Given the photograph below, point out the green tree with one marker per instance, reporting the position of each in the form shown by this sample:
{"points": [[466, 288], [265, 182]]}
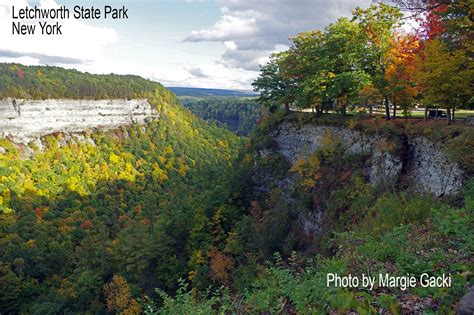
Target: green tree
{"points": [[274, 89], [378, 24]]}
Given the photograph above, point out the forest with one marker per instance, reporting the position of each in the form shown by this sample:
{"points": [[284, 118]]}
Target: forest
{"points": [[73, 212], [238, 114], [47, 82], [182, 216]]}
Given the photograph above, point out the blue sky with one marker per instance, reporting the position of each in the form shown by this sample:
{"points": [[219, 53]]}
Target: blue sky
{"points": [[199, 43]]}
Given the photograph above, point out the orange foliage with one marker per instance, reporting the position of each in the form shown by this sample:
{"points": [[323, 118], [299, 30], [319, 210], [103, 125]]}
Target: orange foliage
{"points": [[221, 266], [399, 74], [145, 222], [87, 225], [39, 213]]}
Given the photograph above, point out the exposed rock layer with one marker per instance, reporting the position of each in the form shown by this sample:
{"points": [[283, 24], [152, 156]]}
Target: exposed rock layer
{"points": [[26, 120], [426, 165]]}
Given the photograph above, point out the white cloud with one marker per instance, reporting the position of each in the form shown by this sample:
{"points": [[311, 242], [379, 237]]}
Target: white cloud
{"points": [[79, 44], [212, 75], [251, 30]]}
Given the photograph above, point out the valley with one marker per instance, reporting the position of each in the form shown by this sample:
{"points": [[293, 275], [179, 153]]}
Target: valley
{"points": [[172, 200], [342, 184]]}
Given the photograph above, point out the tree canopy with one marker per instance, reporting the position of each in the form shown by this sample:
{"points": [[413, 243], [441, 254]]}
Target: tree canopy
{"points": [[337, 67]]}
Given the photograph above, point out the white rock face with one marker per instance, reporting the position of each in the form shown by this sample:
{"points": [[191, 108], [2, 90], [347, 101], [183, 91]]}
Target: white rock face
{"points": [[294, 140], [432, 170], [26, 120], [429, 168]]}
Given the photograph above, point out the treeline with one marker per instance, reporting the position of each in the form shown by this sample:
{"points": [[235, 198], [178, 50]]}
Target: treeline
{"points": [[238, 114], [369, 60], [44, 82]]}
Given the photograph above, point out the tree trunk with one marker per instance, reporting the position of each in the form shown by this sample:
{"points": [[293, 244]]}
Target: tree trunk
{"points": [[287, 108], [394, 110], [449, 116], [387, 108], [426, 112], [452, 116]]}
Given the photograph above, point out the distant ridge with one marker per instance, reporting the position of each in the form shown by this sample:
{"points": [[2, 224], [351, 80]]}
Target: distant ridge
{"points": [[184, 91]]}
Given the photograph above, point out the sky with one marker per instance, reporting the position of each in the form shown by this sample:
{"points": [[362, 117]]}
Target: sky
{"points": [[189, 43]]}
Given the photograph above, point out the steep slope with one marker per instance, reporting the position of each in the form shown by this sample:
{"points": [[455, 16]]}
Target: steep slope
{"points": [[347, 196], [101, 213]]}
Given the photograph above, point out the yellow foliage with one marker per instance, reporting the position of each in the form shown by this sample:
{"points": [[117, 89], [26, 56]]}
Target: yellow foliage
{"points": [[119, 298], [159, 174], [114, 159], [308, 168], [330, 144], [30, 243]]}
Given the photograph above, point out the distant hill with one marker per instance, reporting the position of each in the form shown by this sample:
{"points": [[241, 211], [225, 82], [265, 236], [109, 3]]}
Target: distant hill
{"points": [[184, 91]]}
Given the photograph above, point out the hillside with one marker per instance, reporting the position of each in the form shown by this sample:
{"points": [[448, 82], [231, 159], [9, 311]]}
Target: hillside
{"points": [[84, 211], [347, 196], [238, 114], [46, 82]]}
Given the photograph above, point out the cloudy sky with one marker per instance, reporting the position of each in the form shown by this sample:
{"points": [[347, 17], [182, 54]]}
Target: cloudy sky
{"points": [[197, 43]]}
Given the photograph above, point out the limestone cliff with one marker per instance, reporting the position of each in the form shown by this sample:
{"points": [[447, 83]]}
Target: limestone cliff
{"points": [[23, 121], [423, 163]]}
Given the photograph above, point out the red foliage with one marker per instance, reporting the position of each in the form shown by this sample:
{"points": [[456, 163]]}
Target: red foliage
{"points": [[87, 225], [39, 212], [138, 210], [21, 74], [431, 24]]}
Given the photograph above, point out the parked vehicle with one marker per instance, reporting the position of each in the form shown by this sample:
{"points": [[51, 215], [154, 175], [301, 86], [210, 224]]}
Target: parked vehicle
{"points": [[436, 113]]}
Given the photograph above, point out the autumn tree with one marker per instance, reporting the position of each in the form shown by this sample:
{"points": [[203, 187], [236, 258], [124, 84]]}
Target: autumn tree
{"points": [[444, 77], [119, 298], [369, 97], [401, 87], [378, 24]]}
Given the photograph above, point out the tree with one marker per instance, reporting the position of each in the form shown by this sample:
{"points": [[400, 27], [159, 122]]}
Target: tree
{"points": [[305, 65], [444, 78], [399, 75], [378, 24], [274, 89], [326, 66], [369, 97], [119, 298], [345, 52]]}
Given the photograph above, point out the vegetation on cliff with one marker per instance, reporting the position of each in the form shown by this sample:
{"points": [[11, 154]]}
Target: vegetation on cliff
{"points": [[173, 218], [300, 221]]}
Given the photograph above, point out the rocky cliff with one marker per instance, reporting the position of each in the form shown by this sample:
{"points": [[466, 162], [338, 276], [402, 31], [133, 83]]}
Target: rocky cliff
{"points": [[424, 165], [23, 121]]}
